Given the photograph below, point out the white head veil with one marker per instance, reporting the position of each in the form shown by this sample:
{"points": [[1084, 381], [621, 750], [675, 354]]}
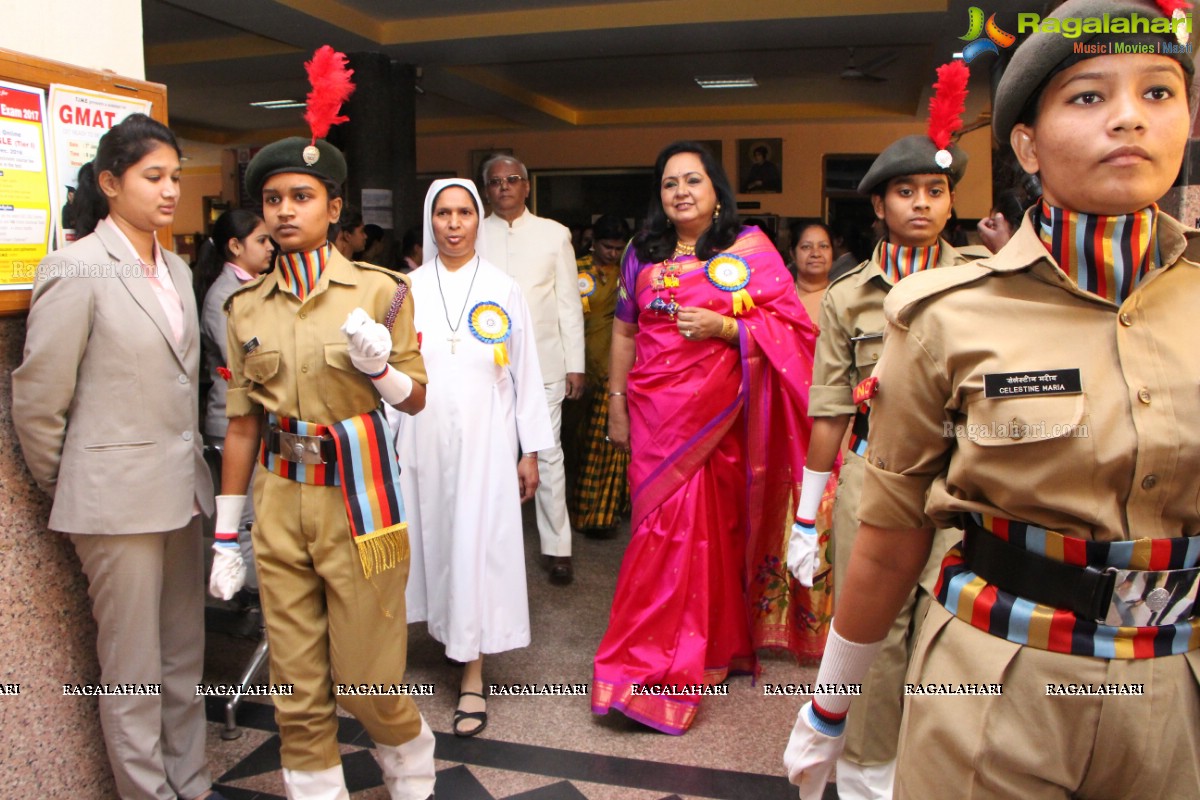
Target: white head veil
{"points": [[429, 245]]}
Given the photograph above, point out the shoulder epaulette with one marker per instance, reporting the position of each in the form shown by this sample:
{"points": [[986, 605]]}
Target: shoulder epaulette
{"points": [[396, 276], [904, 298], [852, 271], [245, 287], [973, 252]]}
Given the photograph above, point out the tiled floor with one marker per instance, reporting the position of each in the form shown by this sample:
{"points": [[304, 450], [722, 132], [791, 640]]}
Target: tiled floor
{"points": [[537, 748]]}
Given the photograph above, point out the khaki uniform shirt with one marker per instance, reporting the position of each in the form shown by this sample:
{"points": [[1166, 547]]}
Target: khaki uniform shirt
{"points": [[300, 366], [1118, 460], [851, 332]]}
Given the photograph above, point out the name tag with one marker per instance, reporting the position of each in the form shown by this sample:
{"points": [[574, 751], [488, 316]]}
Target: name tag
{"points": [[250, 346], [1025, 384]]}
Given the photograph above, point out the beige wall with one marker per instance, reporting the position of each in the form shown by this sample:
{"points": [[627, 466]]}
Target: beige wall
{"points": [[804, 146], [196, 184], [86, 33]]}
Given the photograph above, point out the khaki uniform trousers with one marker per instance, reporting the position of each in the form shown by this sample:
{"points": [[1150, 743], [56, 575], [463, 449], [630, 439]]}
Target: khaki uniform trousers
{"points": [[873, 724], [147, 592], [326, 623], [1027, 744]]}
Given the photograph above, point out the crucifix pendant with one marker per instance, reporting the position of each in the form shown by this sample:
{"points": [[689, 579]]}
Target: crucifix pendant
{"points": [[453, 340]]}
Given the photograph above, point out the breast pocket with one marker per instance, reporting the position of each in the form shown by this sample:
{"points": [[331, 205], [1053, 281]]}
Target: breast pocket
{"points": [[1009, 421], [342, 385], [261, 367], [867, 352]]}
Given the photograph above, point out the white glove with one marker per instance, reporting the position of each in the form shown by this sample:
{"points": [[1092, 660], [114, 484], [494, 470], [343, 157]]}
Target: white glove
{"points": [[370, 344], [812, 752], [228, 569], [804, 546], [393, 385]]}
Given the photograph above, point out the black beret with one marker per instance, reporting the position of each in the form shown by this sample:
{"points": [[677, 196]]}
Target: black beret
{"points": [[912, 155], [1040, 55], [287, 155]]}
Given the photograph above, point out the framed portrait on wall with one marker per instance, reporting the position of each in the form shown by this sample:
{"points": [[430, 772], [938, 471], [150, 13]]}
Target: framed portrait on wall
{"points": [[760, 166]]}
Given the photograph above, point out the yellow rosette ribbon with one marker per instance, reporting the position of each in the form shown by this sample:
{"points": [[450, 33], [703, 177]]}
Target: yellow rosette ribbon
{"points": [[587, 287], [490, 324], [731, 273]]}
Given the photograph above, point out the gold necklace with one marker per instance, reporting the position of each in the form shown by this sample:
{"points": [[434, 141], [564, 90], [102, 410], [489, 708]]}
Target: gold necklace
{"points": [[682, 249]]}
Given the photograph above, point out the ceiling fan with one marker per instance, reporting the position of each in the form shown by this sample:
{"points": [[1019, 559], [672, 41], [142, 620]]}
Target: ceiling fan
{"points": [[853, 72]]}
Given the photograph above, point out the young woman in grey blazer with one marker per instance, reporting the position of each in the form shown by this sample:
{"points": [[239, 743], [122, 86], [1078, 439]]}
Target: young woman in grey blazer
{"points": [[104, 404]]}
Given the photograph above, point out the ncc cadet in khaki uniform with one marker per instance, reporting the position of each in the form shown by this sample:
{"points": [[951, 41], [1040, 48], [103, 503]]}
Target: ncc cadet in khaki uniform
{"points": [[913, 195], [310, 361], [1046, 400]]}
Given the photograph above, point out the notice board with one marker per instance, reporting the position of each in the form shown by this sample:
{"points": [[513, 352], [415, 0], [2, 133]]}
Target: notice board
{"points": [[29, 72]]}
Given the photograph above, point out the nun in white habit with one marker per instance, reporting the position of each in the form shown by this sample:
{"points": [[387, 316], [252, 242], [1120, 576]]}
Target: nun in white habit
{"points": [[469, 459]]}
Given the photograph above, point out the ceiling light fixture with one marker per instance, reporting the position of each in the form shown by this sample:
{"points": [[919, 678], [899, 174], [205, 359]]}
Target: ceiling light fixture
{"points": [[278, 104], [726, 81]]}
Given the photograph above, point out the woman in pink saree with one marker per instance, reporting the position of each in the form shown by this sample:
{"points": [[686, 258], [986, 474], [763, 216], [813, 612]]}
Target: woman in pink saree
{"points": [[711, 364]]}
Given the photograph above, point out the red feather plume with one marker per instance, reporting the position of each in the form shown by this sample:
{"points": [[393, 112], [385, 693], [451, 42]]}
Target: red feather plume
{"points": [[1169, 7], [331, 87], [948, 103]]}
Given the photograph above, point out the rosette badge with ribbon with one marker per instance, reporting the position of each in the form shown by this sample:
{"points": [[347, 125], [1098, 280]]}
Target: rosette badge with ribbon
{"points": [[587, 287], [731, 273], [490, 324]]}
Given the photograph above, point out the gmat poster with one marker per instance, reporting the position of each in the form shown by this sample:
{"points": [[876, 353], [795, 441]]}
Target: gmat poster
{"points": [[78, 118], [24, 184]]}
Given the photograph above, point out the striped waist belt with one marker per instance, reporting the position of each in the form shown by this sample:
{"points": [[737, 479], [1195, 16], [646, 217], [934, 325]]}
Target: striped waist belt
{"points": [[301, 451], [1127, 599]]}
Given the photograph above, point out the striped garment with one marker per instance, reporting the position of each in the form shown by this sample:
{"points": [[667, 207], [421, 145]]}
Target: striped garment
{"points": [[898, 261], [300, 272], [971, 599], [312, 474], [602, 492], [1107, 256], [367, 471]]}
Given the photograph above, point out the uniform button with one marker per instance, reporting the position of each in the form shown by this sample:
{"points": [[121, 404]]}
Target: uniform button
{"points": [[874, 356], [1014, 430], [183, 378], [304, 367], [187, 436], [303, 315], [879, 462], [1149, 482], [1144, 396], [1126, 320]]}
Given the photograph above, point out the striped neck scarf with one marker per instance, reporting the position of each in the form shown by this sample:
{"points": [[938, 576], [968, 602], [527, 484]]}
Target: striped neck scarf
{"points": [[300, 272], [899, 261], [1107, 256]]}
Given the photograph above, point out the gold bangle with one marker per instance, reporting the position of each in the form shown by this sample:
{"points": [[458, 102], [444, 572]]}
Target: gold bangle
{"points": [[616, 394], [729, 329]]}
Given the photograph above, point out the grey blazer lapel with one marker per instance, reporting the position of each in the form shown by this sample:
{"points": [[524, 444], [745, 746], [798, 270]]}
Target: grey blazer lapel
{"points": [[140, 288], [181, 276]]}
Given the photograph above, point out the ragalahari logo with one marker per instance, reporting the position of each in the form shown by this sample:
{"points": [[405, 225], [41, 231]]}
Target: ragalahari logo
{"points": [[996, 37]]}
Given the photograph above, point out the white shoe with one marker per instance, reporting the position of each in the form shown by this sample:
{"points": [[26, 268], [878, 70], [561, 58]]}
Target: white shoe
{"points": [[408, 770], [327, 784], [856, 782]]}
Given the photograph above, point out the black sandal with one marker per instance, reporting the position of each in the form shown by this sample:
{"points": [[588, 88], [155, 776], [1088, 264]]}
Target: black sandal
{"points": [[472, 716]]}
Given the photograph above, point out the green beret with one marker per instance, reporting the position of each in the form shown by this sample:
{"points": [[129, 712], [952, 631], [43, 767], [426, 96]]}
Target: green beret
{"points": [[287, 155], [912, 155], [1039, 56]]}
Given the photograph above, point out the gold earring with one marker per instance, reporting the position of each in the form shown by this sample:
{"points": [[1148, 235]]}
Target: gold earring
{"points": [[717, 211]]}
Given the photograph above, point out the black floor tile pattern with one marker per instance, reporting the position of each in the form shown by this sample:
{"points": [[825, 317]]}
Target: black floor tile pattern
{"points": [[457, 783]]}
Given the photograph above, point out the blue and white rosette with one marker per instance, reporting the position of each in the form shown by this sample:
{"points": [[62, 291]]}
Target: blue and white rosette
{"points": [[731, 273], [490, 324]]}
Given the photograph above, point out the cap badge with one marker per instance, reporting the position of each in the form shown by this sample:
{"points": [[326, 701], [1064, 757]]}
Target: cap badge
{"points": [[311, 155]]}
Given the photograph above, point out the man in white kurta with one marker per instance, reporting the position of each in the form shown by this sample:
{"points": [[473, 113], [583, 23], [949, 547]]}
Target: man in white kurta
{"points": [[458, 461], [537, 252]]}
